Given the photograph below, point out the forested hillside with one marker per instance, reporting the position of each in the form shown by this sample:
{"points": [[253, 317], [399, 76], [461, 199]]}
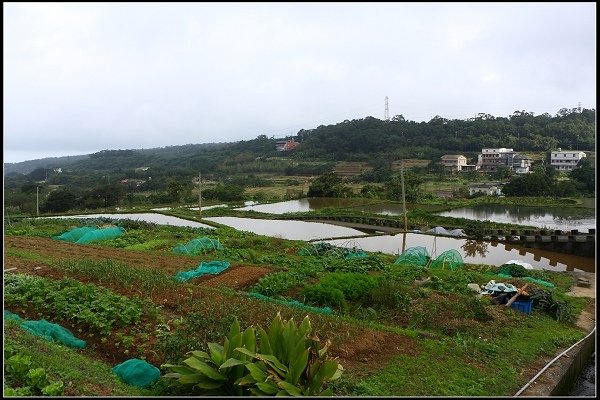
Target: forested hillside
{"points": [[368, 138]]}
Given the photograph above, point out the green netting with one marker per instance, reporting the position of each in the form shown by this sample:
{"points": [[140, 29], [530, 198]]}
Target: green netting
{"points": [[50, 331], [514, 270], [75, 234], [355, 254], [539, 282], [414, 256], [101, 234], [137, 372], [329, 250], [450, 259], [316, 249], [292, 303], [212, 267], [11, 316], [195, 246]]}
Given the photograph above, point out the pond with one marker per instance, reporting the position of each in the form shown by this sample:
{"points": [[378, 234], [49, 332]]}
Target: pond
{"points": [[287, 229], [560, 218], [317, 203], [146, 217], [472, 252], [301, 205]]}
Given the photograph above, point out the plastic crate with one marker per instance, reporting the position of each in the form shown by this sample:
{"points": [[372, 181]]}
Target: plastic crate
{"points": [[522, 306]]}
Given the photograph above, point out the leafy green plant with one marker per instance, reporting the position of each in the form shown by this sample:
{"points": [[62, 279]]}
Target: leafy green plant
{"points": [[28, 381], [546, 301], [290, 362], [275, 283], [18, 392], [99, 308], [217, 371], [285, 361], [37, 378], [355, 286], [18, 366], [54, 389]]}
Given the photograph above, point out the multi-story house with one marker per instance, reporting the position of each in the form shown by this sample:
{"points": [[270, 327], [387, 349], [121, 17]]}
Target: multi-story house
{"points": [[454, 162], [565, 160], [286, 145], [490, 159]]}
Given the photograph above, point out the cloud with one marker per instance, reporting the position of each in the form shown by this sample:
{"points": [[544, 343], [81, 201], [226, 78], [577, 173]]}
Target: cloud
{"points": [[92, 76]]}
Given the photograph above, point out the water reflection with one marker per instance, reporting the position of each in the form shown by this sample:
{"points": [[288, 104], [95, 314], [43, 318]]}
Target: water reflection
{"points": [[300, 205], [474, 247], [475, 253], [561, 218]]}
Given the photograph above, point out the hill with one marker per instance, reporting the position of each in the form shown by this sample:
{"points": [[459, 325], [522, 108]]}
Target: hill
{"points": [[369, 140]]}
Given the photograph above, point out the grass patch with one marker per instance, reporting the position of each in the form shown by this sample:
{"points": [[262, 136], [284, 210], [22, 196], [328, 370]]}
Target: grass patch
{"points": [[468, 365], [24, 254]]}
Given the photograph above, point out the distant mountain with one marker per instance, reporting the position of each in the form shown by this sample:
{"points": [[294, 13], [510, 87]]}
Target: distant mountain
{"points": [[25, 167]]}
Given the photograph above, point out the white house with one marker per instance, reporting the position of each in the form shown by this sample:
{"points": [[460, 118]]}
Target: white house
{"points": [[565, 160], [489, 189], [454, 162]]}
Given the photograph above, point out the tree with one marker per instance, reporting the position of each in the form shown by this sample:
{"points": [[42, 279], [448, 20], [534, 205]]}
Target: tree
{"points": [[328, 185], [104, 196], [222, 192], [29, 188], [60, 200], [39, 174], [502, 172], [175, 190], [393, 188], [584, 176], [537, 183]]}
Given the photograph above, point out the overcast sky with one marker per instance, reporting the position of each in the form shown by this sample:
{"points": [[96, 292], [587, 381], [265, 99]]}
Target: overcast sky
{"points": [[83, 77]]}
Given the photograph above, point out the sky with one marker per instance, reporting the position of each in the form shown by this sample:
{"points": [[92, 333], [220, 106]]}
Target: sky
{"points": [[85, 77]]}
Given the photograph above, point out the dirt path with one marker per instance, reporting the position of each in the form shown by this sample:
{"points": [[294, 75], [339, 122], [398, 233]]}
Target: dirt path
{"points": [[587, 319]]}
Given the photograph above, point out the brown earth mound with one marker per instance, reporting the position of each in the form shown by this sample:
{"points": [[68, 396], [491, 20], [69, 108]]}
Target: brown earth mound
{"points": [[236, 277]]}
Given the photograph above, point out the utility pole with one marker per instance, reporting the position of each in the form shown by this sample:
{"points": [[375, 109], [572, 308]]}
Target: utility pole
{"points": [[403, 195], [403, 206], [37, 200], [199, 192]]}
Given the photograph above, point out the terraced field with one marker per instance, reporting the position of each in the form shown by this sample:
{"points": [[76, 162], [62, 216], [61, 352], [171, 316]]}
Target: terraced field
{"points": [[392, 334]]}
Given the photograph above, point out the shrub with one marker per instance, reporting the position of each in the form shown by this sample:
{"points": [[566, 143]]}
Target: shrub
{"points": [[390, 294], [324, 296], [354, 286]]}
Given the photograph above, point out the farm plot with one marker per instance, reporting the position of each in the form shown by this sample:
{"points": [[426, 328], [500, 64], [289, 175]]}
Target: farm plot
{"points": [[389, 324]]}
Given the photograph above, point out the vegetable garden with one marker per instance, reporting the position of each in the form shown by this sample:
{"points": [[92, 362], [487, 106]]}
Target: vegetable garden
{"points": [[276, 317]]}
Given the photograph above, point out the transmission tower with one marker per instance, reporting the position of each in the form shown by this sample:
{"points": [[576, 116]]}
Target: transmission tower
{"points": [[386, 115]]}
